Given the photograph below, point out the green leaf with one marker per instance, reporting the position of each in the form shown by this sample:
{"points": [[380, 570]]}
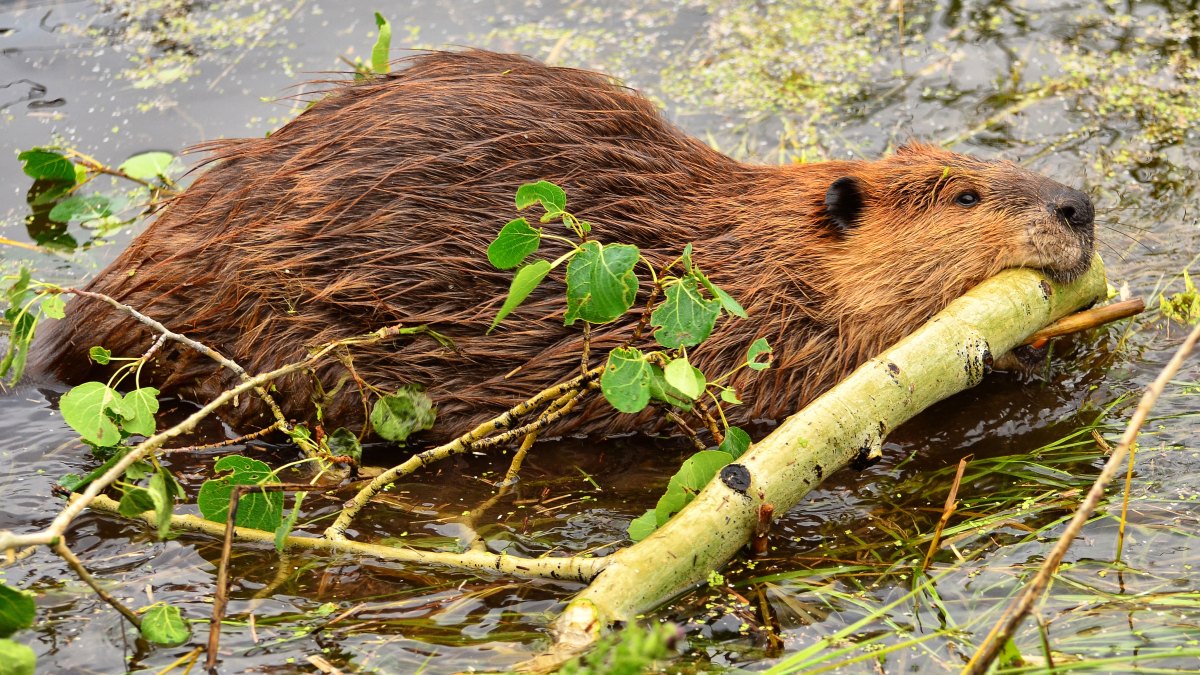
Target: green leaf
{"points": [[673, 500], [516, 241], [86, 408], [22, 324], [139, 470], [1010, 655], [685, 317], [135, 502], [685, 378], [405, 412], [285, 528], [643, 526], [261, 510], [626, 380], [661, 390], [300, 434], [163, 624], [550, 196], [53, 306], [757, 349], [100, 355], [47, 165], [692, 476], [16, 658], [140, 406], [343, 442], [74, 482], [526, 279], [383, 45], [17, 610], [16, 292], [729, 395], [736, 442], [727, 302], [24, 278], [21, 327], [81, 208], [697, 470], [147, 166], [163, 490], [601, 284]]}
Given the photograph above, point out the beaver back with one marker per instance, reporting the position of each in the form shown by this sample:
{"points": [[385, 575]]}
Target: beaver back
{"points": [[375, 207]]}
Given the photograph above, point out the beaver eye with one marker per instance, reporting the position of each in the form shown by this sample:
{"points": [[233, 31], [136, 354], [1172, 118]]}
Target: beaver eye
{"points": [[967, 198]]}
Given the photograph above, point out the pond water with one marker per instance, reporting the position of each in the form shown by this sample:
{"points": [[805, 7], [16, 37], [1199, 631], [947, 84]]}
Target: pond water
{"points": [[1102, 95]]}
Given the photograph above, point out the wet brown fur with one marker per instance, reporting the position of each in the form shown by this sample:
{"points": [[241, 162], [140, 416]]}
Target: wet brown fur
{"points": [[375, 207]]}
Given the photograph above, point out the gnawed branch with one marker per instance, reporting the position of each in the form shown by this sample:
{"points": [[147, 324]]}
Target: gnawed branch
{"points": [[950, 353]]}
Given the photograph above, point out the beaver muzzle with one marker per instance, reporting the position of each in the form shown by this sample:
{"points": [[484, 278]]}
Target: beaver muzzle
{"points": [[1075, 209], [1069, 251]]}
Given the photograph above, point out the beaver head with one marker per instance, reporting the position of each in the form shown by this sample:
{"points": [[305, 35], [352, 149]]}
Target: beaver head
{"points": [[1025, 219], [906, 234]]}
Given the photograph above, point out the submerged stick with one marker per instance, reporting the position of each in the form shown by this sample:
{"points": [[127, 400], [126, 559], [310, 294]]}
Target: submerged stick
{"points": [[950, 353], [574, 568]]}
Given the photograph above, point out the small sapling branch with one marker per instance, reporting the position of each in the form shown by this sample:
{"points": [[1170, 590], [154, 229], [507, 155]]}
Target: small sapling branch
{"points": [[96, 166], [561, 399]]}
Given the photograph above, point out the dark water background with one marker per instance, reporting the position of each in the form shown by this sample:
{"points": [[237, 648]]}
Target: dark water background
{"points": [[1109, 97]]}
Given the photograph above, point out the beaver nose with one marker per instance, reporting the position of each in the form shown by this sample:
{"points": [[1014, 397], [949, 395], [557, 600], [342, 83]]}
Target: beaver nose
{"points": [[1074, 208]]}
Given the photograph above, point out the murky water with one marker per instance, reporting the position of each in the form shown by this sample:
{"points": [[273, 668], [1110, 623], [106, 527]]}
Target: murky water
{"points": [[1105, 95]]}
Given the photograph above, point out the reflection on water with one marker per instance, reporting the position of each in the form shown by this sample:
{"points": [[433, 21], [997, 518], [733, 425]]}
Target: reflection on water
{"points": [[1105, 95]]}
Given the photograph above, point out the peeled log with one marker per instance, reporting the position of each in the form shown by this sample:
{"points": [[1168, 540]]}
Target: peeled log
{"points": [[950, 353]]}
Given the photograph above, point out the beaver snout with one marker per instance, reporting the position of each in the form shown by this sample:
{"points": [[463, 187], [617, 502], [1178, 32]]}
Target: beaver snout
{"points": [[1074, 208]]}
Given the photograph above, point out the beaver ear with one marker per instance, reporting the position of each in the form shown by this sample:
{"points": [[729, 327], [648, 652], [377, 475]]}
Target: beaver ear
{"points": [[844, 203]]}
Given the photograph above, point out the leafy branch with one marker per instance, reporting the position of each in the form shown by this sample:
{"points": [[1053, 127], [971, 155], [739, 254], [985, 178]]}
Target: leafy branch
{"points": [[602, 286]]}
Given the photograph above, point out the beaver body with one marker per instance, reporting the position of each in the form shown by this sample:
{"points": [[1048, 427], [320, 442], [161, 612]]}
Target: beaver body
{"points": [[375, 207]]}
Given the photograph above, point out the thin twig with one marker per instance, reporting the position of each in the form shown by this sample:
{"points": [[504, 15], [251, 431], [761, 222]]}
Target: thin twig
{"points": [[96, 165], [225, 362], [1015, 614], [240, 440], [947, 511], [687, 430], [65, 553], [585, 356], [505, 486], [1089, 318], [477, 437], [221, 597]]}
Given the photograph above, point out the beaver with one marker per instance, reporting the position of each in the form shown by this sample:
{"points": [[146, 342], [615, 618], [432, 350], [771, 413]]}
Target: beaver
{"points": [[376, 205]]}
